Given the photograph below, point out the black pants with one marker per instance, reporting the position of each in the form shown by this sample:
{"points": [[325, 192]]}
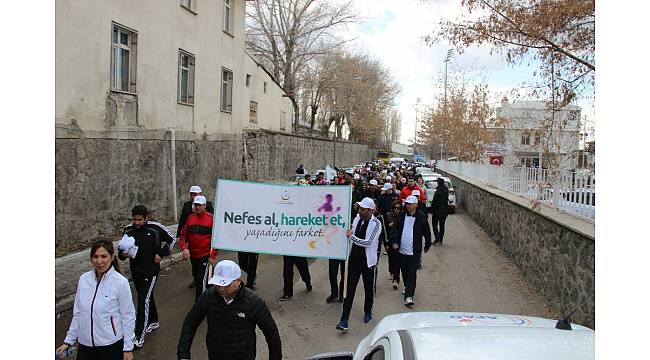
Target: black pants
{"points": [[409, 267], [248, 263], [336, 290], [146, 312], [115, 351], [393, 263], [439, 227], [287, 272], [358, 267], [198, 272]]}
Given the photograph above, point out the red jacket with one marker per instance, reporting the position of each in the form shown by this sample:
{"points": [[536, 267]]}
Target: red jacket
{"points": [[197, 233], [406, 191]]}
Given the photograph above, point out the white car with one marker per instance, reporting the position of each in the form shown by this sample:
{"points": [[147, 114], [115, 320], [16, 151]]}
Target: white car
{"points": [[462, 335], [431, 184]]}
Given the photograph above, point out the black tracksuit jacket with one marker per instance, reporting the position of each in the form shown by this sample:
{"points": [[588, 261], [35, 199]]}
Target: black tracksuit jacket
{"points": [[420, 229], [151, 239], [231, 328]]}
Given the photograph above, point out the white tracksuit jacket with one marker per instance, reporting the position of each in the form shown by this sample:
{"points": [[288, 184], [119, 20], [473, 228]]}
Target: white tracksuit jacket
{"points": [[103, 312]]}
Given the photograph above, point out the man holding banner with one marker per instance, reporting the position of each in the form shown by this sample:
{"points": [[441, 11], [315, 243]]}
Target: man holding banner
{"points": [[364, 235]]}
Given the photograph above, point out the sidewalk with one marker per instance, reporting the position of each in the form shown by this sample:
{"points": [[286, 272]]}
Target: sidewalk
{"points": [[68, 268]]}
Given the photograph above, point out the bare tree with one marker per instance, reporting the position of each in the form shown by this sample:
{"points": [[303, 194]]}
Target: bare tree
{"points": [[286, 34]]}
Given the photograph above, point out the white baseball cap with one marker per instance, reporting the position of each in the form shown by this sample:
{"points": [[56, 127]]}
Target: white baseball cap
{"points": [[225, 272], [373, 182], [388, 178], [411, 199], [366, 203], [195, 189], [415, 193], [356, 176], [388, 186], [199, 199]]}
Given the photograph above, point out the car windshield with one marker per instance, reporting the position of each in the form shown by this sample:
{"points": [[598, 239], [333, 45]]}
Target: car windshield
{"points": [[434, 184]]}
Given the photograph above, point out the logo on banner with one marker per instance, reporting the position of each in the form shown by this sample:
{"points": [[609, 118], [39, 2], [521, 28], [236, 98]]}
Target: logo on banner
{"points": [[285, 197]]}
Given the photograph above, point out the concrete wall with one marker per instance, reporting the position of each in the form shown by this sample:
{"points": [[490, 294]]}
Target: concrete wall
{"points": [[555, 251], [100, 176]]}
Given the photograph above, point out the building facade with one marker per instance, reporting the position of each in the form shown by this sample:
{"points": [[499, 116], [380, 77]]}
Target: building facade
{"points": [[528, 129], [130, 65]]}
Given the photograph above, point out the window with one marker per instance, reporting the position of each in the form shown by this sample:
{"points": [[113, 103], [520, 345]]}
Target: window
{"points": [[123, 59], [376, 354], [538, 138], [265, 87], [248, 79], [283, 120], [525, 138], [185, 77], [226, 90], [253, 112], [227, 16], [189, 5]]}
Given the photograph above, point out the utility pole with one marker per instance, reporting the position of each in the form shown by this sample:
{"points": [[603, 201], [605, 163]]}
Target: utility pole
{"points": [[415, 138], [447, 59]]}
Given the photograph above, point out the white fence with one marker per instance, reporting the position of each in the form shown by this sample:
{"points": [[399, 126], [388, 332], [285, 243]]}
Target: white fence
{"points": [[565, 190]]}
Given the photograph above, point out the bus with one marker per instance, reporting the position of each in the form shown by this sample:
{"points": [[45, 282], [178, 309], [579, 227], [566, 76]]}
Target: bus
{"points": [[384, 156]]}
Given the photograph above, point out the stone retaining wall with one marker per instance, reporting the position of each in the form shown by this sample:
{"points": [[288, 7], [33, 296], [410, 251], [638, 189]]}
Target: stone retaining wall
{"points": [[101, 176], [553, 250]]}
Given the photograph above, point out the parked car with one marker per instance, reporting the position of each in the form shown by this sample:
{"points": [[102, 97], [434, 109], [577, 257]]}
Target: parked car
{"points": [[422, 170], [461, 335], [430, 183]]}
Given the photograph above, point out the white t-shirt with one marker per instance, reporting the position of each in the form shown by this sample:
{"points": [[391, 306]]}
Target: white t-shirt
{"points": [[406, 244]]}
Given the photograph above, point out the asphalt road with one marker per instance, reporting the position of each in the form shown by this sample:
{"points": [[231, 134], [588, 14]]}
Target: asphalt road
{"points": [[468, 273]]}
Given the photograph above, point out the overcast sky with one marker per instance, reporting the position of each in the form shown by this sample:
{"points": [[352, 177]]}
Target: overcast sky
{"points": [[392, 30]]}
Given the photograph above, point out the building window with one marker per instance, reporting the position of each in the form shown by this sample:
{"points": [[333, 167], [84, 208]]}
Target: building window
{"points": [[253, 112], [226, 90], [123, 59], [189, 5], [283, 120], [248, 79], [227, 16], [185, 77], [538, 139], [265, 87], [525, 138]]}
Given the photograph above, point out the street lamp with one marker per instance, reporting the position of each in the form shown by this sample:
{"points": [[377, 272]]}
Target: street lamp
{"points": [[447, 59]]}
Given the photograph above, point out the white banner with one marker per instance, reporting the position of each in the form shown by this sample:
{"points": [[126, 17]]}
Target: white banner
{"points": [[295, 220]]}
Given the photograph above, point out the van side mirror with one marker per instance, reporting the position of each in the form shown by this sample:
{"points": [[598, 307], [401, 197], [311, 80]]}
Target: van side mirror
{"points": [[338, 355]]}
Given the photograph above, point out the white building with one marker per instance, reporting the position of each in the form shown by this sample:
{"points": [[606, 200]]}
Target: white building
{"points": [[529, 128], [180, 64]]}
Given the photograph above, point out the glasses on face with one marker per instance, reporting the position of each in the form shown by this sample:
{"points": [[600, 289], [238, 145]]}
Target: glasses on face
{"points": [[396, 207]]}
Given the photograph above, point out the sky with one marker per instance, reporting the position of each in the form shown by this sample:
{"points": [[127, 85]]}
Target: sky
{"points": [[392, 31]]}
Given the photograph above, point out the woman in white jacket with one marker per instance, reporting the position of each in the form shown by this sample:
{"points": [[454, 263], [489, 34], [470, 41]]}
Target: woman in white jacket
{"points": [[103, 318]]}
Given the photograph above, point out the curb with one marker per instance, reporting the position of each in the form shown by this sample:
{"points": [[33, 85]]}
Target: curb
{"points": [[65, 303]]}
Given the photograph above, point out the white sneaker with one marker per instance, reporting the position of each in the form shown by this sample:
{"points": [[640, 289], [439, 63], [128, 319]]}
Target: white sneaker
{"points": [[138, 342], [152, 327], [403, 291], [408, 301]]}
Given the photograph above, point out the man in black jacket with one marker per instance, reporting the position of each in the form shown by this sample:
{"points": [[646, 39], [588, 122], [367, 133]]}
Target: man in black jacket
{"points": [[233, 311], [153, 241], [409, 229], [188, 210], [440, 204]]}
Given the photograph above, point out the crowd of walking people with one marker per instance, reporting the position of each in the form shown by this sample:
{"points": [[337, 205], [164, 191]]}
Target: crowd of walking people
{"points": [[389, 216]]}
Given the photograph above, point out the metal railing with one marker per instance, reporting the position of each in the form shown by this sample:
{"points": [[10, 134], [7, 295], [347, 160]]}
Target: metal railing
{"points": [[568, 191]]}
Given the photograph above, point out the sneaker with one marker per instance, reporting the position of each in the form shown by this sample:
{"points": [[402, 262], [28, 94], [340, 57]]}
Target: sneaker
{"points": [[367, 318], [309, 288], [251, 286], [331, 299], [285, 297], [408, 301], [138, 342], [341, 299], [404, 291], [152, 327], [395, 285], [342, 325], [419, 266]]}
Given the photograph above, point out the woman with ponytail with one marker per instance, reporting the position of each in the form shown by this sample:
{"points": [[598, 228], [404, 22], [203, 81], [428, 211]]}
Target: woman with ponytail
{"points": [[103, 318]]}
